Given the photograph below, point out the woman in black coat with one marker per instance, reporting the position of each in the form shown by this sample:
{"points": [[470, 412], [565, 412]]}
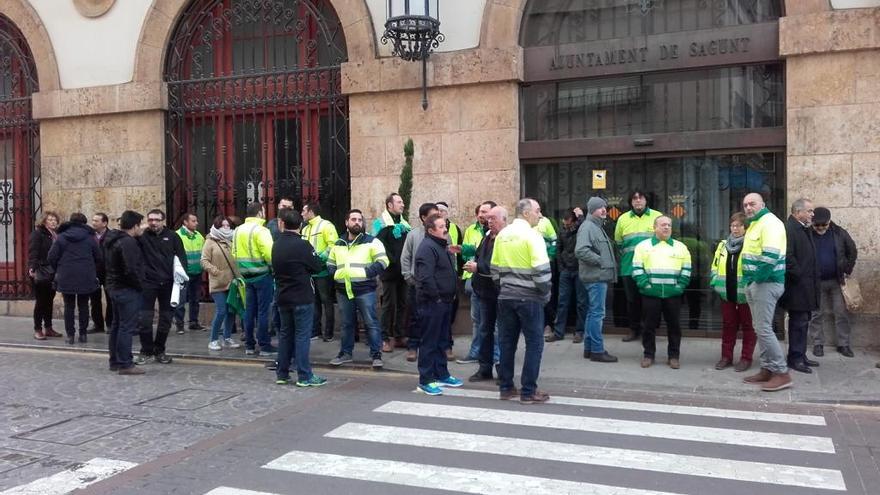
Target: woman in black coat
{"points": [[75, 256], [40, 274]]}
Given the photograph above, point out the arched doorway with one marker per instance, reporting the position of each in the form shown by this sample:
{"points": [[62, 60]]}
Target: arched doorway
{"points": [[683, 99], [19, 159], [255, 108]]}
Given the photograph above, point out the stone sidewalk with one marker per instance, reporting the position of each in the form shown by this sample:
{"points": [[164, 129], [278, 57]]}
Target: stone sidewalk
{"points": [[838, 379]]}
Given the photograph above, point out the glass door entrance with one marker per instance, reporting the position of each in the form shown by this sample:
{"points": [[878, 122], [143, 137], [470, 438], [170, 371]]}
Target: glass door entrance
{"points": [[699, 191]]}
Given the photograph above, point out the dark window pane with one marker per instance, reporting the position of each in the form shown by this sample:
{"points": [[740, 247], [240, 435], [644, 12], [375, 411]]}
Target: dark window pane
{"points": [[555, 22]]}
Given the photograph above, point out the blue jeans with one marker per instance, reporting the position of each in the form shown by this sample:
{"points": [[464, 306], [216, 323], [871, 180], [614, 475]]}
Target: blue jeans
{"points": [[189, 296], [515, 316], [596, 292], [570, 285], [366, 304], [476, 340], [221, 316], [488, 335], [259, 296], [294, 338], [127, 303], [435, 317]]}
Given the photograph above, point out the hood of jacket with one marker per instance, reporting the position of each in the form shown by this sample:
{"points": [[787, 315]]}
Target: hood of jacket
{"points": [[75, 232]]}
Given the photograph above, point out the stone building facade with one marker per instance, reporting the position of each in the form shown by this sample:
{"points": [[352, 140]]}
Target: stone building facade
{"points": [[104, 113]]}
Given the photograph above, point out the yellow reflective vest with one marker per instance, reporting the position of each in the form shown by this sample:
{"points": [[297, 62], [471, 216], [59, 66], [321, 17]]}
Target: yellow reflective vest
{"points": [[763, 254], [321, 234], [252, 248], [354, 265], [520, 266], [661, 268], [718, 278], [193, 242], [548, 232], [473, 236], [631, 229]]}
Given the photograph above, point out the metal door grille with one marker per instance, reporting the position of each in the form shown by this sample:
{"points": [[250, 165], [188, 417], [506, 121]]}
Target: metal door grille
{"points": [[256, 110], [20, 200]]}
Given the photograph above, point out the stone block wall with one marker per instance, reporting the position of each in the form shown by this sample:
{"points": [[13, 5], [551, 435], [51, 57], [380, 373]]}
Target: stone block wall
{"points": [[833, 119]]}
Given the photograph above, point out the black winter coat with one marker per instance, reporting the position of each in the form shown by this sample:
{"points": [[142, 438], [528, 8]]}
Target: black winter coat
{"points": [[293, 264], [482, 283], [75, 256], [565, 245], [393, 249], [434, 271], [801, 269], [38, 247], [102, 266], [124, 261], [845, 249], [159, 251]]}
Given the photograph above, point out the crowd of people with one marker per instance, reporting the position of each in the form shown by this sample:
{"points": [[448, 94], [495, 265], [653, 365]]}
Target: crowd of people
{"points": [[287, 277]]}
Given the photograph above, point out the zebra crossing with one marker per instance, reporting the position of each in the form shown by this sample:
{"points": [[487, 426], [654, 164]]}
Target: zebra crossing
{"points": [[749, 451]]}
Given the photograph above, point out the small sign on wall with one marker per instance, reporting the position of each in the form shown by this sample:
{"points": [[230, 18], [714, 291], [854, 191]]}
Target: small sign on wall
{"points": [[599, 179]]}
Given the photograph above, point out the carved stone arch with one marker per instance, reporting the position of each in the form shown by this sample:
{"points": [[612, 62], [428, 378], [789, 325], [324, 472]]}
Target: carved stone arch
{"points": [[501, 23], [31, 26], [162, 17]]}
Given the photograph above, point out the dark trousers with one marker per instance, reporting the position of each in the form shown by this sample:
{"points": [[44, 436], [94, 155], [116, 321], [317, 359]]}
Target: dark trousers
{"points": [[393, 303], [294, 340], [150, 345], [125, 325], [515, 316], [798, 330], [670, 308], [436, 318], [74, 302], [488, 318], [633, 305], [325, 298], [736, 317], [413, 324], [190, 298], [96, 306], [44, 295]]}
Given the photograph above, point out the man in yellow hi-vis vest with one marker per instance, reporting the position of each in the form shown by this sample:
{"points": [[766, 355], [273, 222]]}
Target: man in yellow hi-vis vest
{"points": [[354, 263], [321, 234], [521, 270], [252, 251]]}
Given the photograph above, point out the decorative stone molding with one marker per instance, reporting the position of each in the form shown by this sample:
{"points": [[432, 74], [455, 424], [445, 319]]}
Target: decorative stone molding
{"points": [[502, 20], [93, 8], [100, 100], [26, 19], [163, 15], [824, 32]]}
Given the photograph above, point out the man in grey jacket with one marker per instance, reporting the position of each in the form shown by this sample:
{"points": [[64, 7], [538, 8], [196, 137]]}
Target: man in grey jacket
{"points": [[596, 269], [407, 269]]}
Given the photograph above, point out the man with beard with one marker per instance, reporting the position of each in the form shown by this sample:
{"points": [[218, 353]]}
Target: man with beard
{"points": [[354, 263], [391, 229], [159, 245]]}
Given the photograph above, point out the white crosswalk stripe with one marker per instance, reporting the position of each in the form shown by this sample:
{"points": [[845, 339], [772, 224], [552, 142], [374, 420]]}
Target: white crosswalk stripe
{"points": [[71, 479], [614, 426], [789, 460], [225, 490]]}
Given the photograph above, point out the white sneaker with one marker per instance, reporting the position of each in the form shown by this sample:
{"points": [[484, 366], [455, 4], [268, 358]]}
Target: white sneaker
{"points": [[231, 344], [214, 345]]}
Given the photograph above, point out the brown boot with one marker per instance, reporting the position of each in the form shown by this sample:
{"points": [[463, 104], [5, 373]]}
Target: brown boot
{"points": [[412, 355], [400, 343], [647, 362], [779, 381], [723, 363], [761, 377], [38, 334], [51, 333], [742, 365], [386, 346]]}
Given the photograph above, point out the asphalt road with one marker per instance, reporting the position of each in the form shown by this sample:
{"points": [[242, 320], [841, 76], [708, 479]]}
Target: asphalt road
{"points": [[197, 428]]}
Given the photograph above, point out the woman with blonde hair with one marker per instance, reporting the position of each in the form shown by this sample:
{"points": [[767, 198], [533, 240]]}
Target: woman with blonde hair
{"points": [[217, 261], [42, 274]]}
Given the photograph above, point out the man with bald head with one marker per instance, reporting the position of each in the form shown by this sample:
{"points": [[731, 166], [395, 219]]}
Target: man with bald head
{"points": [[661, 269], [763, 260]]}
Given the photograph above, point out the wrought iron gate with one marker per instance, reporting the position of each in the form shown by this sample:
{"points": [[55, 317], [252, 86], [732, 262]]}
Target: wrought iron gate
{"points": [[19, 160], [256, 110]]}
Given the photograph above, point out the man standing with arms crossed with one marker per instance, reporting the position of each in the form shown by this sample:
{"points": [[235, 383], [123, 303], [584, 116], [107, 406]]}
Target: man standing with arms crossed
{"points": [[521, 270], [763, 256], [632, 228], [321, 235]]}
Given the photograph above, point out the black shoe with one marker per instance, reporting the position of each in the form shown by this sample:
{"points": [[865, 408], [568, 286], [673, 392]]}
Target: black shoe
{"points": [[95, 330], [632, 336], [553, 338], [271, 365], [845, 351], [83, 338], [163, 358], [800, 366], [587, 354], [70, 339], [196, 326], [810, 362], [818, 351], [179, 328], [480, 377], [603, 358]]}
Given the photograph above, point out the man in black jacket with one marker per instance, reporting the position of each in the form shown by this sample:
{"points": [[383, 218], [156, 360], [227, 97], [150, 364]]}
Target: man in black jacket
{"points": [[102, 323], [801, 295], [391, 229], [293, 263], [436, 278], [836, 254], [487, 291], [570, 286], [124, 273], [160, 245]]}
